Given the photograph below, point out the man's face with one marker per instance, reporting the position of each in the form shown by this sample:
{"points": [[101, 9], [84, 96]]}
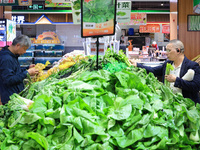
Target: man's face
{"points": [[172, 53], [21, 49]]}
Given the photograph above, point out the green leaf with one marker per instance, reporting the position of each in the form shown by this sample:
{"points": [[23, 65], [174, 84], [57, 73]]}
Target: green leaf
{"points": [[157, 105], [28, 118], [151, 141], [31, 144], [131, 138], [193, 115], [145, 119], [120, 112], [77, 136], [111, 123], [116, 131], [57, 101], [169, 67], [151, 131], [39, 139], [13, 147], [40, 104], [50, 121], [53, 113]]}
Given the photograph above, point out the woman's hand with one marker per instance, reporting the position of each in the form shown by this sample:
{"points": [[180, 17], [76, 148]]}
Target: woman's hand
{"points": [[134, 63], [32, 71], [170, 78], [31, 66]]}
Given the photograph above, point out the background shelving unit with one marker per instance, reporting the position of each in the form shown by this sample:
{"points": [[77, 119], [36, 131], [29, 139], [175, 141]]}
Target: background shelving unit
{"points": [[40, 53]]}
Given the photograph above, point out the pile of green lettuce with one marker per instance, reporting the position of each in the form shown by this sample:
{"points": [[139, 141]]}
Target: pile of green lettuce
{"points": [[124, 110]]}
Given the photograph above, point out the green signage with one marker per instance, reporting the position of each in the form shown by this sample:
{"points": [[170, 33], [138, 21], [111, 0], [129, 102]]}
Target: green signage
{"points": [[36, 7], [196, 6]]}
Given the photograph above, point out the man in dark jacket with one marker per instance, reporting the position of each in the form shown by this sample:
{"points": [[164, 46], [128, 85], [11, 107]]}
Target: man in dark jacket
{"points": [[188, 87], [11, 74]]}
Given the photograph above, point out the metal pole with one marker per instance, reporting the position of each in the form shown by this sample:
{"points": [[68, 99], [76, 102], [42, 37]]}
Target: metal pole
{"points": [[97, 43]]}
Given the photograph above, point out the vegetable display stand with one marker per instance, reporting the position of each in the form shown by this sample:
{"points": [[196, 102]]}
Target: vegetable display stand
{"points": [[108, 109]]}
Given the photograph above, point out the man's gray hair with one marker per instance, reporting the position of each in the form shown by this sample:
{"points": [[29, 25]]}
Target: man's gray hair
{"points": [[177, 44], [23, 40]]}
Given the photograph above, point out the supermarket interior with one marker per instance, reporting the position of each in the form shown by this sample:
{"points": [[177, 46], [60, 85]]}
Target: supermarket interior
{"points": [[146, 40], [100, 75]]}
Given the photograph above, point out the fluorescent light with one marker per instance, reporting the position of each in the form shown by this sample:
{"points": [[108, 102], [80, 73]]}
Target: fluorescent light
{"points": [[174, 12]]}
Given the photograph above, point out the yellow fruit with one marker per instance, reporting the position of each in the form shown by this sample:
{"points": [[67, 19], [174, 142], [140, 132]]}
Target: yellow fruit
{"points": [[40, 76], [65, 65]]}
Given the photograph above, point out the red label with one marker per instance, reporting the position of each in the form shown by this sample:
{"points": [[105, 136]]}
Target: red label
{"points": [[165, 28], [150, 28]]}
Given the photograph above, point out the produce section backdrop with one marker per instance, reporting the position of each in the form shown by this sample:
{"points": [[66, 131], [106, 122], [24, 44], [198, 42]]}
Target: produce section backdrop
{"points": [[185, 7]]}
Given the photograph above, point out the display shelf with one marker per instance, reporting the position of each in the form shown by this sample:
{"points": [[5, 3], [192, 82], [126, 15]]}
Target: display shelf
{"points": [[28, 53], [43, 53], [40, 53], [25, 61], [43, 60], [49, 47]]}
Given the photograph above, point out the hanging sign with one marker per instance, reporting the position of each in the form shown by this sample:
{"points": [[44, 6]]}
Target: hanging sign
{"points": [[149, 28], [123, 11], [47, 37], [25, 2], [76, 11], [165, 28], [56, 3], [196, 6], [11, 31], [8, 2], [2, 32], [136, 19], [18, 19], [98, 17], [36, 7]]}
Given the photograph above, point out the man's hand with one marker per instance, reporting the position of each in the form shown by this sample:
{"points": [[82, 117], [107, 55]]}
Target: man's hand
{"points": [[33, 71], [170, 78], [31, 66], [134, 63]]}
